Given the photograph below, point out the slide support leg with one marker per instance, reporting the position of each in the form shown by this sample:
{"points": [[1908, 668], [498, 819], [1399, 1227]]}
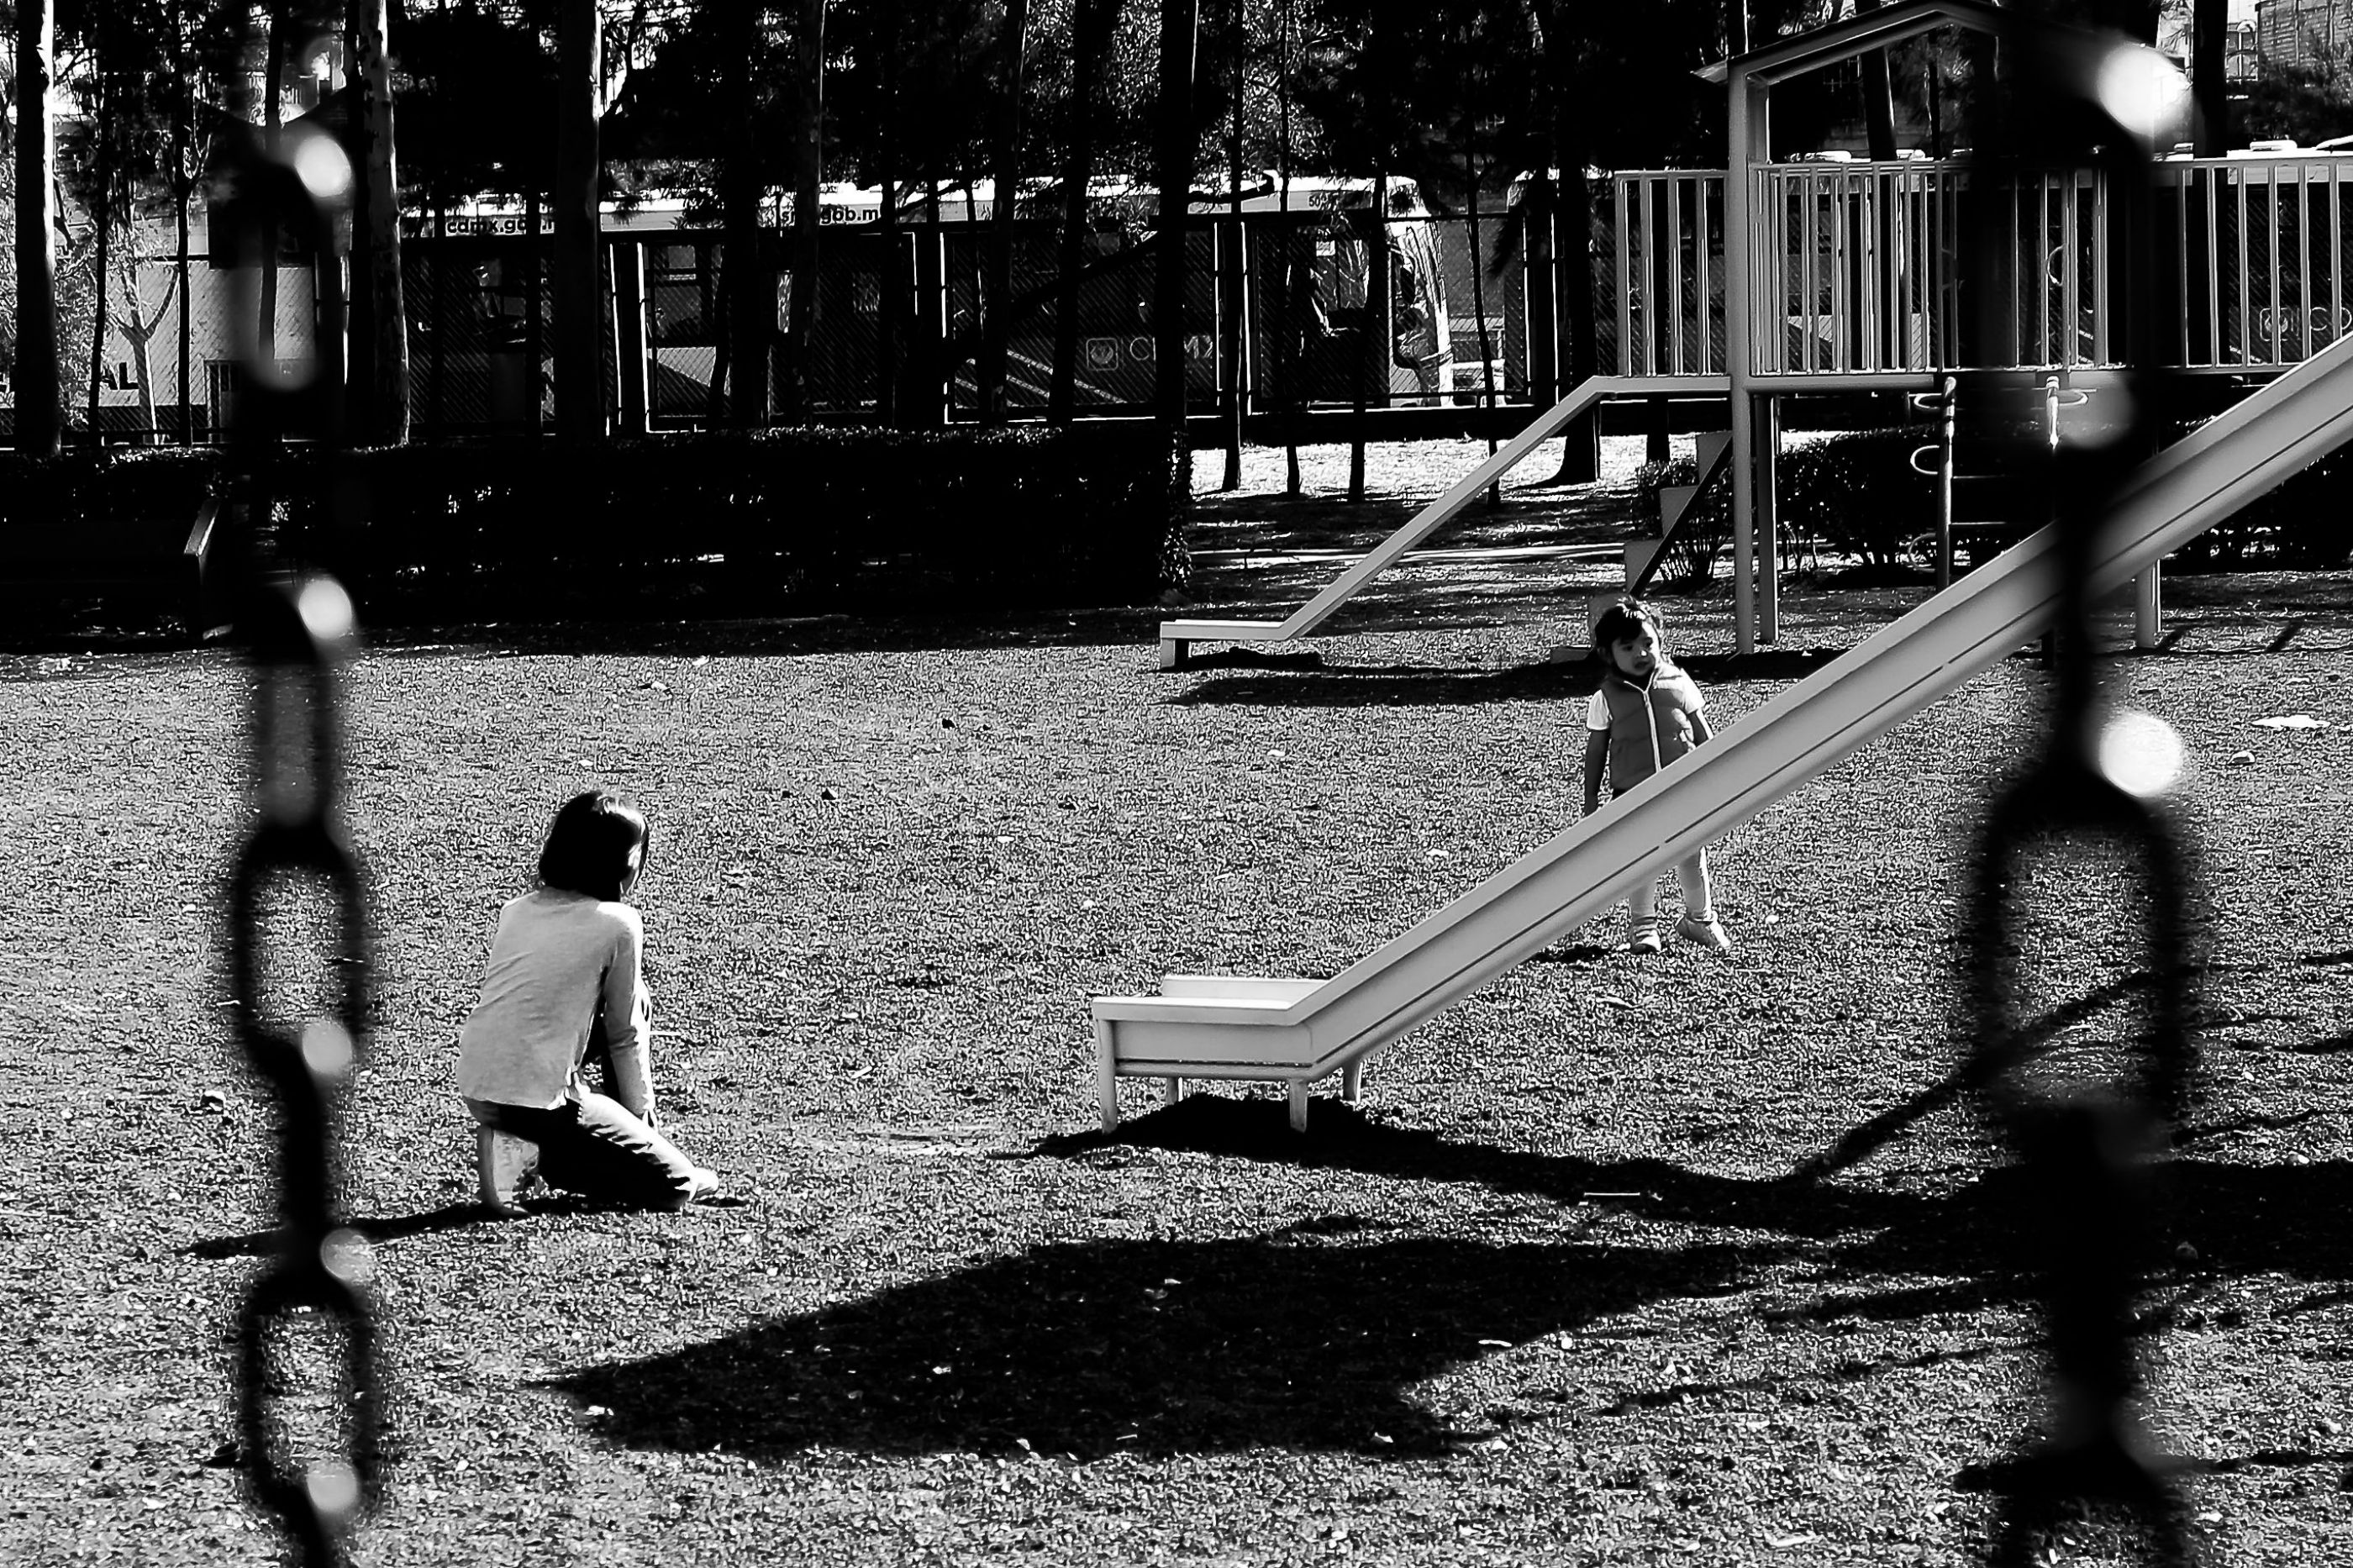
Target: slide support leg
{"points": [[1352, 1080], [1106, 1076], [1299, 1108], [2148, 608]]}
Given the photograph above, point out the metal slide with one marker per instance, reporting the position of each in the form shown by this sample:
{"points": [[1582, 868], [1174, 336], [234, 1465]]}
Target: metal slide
{"points": [[1298, 1031], [1177, 637]]}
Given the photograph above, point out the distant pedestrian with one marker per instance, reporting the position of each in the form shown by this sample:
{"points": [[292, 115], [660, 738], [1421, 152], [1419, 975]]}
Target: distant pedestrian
{"points": [[564, 989], [1646, 713]]}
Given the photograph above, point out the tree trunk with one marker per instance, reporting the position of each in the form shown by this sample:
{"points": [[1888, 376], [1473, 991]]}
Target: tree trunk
{"points": [[37, 389], [102, 108], [1372, 367], [1179, 23], [386, 394], [272, 116], [749, 316], [1477, 300], [1878, 97], [1573, 261], [1231, 276], [359, 367], [2209, 35], [578, 240], [1287, 339], [183, 125], [1090, 36], [534, 316], [894, 293], [1006, 179], [139, 332], [808, 173], [98, 323]]}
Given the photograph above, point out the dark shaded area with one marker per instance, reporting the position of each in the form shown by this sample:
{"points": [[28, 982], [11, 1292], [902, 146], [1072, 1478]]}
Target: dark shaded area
{"points": [[1328, 684], [1304, 1338], [1342, 1137], [1311, 1337], [429, 1221]]}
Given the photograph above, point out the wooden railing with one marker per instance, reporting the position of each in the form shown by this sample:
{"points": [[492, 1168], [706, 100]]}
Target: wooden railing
{"points": [[1858, 267], [1669, 232], [2260, 244]]}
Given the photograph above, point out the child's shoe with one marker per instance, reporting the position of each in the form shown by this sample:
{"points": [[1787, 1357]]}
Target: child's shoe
{"points": [[1641, 936], [502, 1165], [1704, 930]]}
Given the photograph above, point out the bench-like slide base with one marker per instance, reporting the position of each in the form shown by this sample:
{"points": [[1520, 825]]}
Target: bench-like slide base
{"points": [[1177, 638], [1212, 1026]]}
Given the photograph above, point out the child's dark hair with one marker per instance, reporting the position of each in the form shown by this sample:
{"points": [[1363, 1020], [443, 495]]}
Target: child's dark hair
{"points": [[588, 845], [1625, 619]]}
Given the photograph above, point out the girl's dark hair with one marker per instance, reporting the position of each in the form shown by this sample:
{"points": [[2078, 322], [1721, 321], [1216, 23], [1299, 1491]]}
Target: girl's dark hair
{"points": [[588, 845], [1624, 619]]}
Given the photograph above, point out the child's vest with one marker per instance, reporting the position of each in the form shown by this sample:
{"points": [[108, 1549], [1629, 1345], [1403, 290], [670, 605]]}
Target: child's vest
{"points": [[1650, 725]]}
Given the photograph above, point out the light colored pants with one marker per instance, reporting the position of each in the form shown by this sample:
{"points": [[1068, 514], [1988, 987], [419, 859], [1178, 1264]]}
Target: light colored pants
{"points": [[1642, 903], [592, 1146]]}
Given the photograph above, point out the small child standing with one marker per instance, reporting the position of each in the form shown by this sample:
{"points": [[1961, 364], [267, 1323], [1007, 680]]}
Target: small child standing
{"points": [[1646, 713], [564, 986]]}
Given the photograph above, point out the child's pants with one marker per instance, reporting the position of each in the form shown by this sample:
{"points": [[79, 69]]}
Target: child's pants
{"points": [[592, 1146], [1642, 903]]}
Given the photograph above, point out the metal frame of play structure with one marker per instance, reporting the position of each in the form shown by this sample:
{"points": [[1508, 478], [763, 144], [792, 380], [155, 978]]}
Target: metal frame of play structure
{"points": [[1848, 286], [1297, 1032]]}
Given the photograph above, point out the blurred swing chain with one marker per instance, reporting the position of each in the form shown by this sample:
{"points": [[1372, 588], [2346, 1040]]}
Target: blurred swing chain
{"points": [[2084, 1148], [300, 632]]}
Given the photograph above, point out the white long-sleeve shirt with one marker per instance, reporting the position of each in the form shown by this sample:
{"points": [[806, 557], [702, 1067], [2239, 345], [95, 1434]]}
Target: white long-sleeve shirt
{"points": [[558, 955]]}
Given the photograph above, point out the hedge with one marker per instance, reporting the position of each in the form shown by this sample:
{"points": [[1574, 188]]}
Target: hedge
{"points": [[1857, 492], [798, 520]]}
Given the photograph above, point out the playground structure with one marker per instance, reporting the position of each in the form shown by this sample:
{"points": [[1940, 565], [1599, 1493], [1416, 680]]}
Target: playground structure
{"points": [[1299, 1031], [1870, 314], [1848, 280]]}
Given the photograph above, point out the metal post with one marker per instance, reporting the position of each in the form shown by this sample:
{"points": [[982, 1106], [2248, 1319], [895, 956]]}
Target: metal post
{"points": [[1740, 350]]}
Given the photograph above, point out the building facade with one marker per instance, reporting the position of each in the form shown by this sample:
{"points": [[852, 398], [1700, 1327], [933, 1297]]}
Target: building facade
{"points": [[2304, 32]]}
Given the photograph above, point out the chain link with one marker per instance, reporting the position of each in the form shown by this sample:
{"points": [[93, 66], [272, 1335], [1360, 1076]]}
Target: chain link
{"points": [[2083, 1147], [299, 632]]}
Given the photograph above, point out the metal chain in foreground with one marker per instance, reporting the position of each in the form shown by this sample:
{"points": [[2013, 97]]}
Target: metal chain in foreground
{"points": [[299, 631], [2086, 1206]]}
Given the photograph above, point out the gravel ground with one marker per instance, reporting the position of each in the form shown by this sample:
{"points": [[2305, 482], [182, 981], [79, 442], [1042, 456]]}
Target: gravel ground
{"points": [[1544, 1298]]}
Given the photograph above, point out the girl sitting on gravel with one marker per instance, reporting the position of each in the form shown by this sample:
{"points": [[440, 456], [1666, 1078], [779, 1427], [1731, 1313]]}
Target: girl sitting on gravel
{"points": [[564, 987], [1647, 713]]}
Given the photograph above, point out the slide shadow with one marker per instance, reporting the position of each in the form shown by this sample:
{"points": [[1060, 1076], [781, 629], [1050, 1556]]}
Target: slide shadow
{"points": [[1307, 679], [1341, 1136], [1309, 1339]]}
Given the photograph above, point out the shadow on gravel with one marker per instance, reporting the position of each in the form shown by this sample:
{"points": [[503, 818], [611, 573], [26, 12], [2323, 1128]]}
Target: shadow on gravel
{"points": [[1342, 1137], [1328, 685], [2235, 1219], [1306, 1339], [1307, 679], [268, 1243]]}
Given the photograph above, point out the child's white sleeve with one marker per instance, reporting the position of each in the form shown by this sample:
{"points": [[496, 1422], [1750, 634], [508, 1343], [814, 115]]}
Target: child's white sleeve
{"points": [[1597, 712]]}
